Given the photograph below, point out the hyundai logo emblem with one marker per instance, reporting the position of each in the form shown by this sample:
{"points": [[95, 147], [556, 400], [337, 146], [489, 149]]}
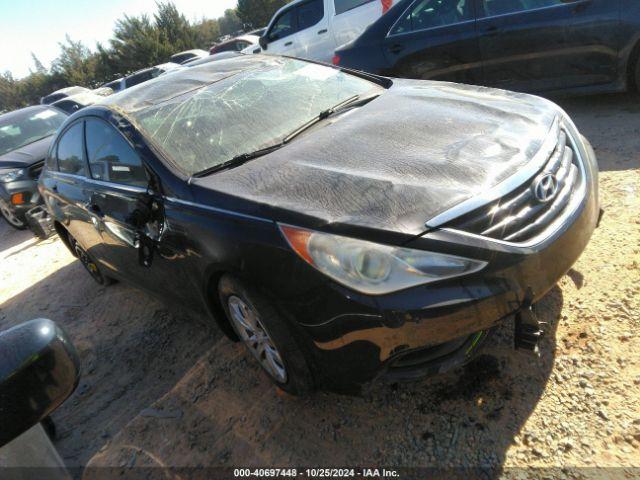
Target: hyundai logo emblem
{"points": [[545, 187]]}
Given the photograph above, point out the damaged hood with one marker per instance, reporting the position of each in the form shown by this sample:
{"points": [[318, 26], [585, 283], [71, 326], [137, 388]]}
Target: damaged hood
{"points": [[27, 155], [414, 152]]}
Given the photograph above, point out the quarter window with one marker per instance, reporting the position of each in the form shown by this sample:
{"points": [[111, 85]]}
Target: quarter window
{"points": [[425, 14], [70, 158], [310, 13], [502, 7], [110, 156], [346, 5]]}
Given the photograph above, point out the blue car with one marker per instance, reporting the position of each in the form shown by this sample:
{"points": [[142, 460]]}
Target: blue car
{"points": [[523, 45]]}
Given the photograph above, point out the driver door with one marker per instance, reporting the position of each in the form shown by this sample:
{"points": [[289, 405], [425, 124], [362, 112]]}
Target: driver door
{"points": [[281, 36], [119, 199]]}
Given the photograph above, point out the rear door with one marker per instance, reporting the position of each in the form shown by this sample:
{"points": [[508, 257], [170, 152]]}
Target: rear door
{"points": [[523, 43], [66, 189], [351, 17], [435, 39], [594, 40], [313, 37]]}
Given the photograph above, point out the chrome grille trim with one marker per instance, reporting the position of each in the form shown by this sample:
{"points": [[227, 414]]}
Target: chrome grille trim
{"points": [[518, 218]]}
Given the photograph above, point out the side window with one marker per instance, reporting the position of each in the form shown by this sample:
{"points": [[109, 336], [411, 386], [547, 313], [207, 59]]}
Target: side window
{"points": [[285, 25], [310, 13], [110, 156], [346, 5], [502, 7], [70, 157], [425, 14]]}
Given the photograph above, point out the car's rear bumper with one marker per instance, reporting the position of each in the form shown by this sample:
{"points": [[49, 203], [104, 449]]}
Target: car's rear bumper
{"points": [[373, 335]]}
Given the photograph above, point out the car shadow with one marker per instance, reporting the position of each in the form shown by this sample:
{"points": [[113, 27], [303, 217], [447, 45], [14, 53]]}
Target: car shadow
{"points": [[132, 348], [612, 124], [224, 412]]}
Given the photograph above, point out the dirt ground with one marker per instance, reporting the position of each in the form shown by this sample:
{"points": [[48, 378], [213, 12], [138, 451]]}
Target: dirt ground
{"points": [[160, 388]]}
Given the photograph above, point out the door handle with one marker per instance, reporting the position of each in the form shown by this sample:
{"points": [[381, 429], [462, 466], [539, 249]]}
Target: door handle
{"points": [[320, 32], [288, 44], [396, 48]]}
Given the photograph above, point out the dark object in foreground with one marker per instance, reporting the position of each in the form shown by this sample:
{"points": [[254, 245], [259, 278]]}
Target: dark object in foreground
{"points": [[343, 226], [39, 369], [528, 46]]}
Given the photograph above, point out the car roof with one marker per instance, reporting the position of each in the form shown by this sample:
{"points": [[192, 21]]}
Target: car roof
{"points": [[84, 98], [166, 87], [15, 114]]}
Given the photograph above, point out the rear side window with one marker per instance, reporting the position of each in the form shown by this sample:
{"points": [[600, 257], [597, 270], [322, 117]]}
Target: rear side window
{"points": [[310, 13], [70, 157], [110, 156], [285, 25], [502, 7], [346, 5], [425, 14]]}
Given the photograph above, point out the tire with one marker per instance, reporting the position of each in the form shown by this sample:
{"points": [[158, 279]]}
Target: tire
{"points": [[253, 317], [10, 217], [89, 264]]}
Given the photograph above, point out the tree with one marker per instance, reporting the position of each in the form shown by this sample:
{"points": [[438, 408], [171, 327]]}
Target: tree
{"points": [[76, 64], [257, 13], [229, 23]]}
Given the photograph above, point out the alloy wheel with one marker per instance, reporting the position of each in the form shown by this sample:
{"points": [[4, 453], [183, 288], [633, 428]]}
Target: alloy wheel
{"points": [[255, 336], [10, 216]]}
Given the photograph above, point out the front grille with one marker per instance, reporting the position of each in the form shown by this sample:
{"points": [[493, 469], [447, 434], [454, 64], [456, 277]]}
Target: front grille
{"points": [[523, 214]]}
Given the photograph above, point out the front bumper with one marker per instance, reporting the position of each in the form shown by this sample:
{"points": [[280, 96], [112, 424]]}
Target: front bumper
{"points": [[372, 335]]}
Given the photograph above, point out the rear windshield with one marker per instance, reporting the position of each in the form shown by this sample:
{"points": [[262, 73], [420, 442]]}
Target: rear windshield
{"points": [[245, 112], [20, 129]]}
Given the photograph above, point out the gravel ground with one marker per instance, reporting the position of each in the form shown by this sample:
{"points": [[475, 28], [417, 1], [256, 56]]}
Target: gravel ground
{"points": [[161, 388]]}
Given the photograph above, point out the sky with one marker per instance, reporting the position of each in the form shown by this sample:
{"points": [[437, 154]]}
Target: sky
{"points": [[38, 26]]}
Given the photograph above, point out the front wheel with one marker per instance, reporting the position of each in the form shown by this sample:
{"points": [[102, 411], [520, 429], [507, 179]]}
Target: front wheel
{"points": [[266, 335], [10, 216]]}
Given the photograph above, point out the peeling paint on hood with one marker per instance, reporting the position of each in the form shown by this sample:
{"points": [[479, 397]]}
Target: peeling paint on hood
{"points": [[417, 150]]}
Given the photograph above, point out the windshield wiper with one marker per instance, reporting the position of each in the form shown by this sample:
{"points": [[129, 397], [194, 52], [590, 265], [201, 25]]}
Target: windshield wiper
{"points": [[350, 102], [238, 160]]}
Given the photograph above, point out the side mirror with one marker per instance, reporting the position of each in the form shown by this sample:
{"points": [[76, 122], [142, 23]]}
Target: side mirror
{"points": [[263, 42], [39, 369]]}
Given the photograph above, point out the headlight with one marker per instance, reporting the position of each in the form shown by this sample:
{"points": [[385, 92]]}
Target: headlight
{"points": [[7, 176], [373, 268]]}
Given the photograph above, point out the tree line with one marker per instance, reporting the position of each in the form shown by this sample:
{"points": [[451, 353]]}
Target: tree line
{"points": [[137, 42]]}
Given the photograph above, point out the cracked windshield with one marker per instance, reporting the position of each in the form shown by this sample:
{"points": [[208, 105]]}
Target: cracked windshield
{"points": [[245, 112]]}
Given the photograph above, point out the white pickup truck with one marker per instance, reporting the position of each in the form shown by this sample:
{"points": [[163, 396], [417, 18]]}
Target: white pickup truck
{"points": [[313, 29]]}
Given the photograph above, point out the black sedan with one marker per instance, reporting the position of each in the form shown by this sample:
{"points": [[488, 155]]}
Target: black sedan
{"points": [[25, 137], [524, 45], [342, 225]]}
